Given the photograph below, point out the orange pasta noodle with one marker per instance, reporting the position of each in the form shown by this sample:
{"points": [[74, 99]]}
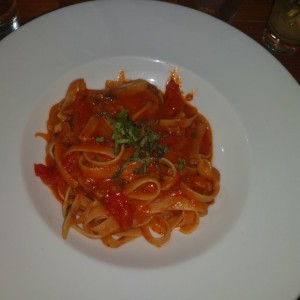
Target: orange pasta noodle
{"points": [[129, 161]]}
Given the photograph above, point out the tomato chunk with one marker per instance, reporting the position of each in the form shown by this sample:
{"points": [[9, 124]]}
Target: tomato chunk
{"points": [[173, 100], [48, 174], [117, 204]]}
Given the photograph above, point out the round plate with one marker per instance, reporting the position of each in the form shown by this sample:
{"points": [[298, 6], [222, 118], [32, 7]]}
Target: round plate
{"points": [[247, 247], [231, 157]]}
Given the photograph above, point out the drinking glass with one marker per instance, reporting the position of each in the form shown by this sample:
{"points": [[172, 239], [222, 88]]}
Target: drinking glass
{"points": [[222, 9], [8, 17], [282, 34]]}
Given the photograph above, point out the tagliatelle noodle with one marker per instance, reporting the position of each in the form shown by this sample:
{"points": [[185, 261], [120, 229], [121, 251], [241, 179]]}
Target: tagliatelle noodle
{"points": [[129, 161]]}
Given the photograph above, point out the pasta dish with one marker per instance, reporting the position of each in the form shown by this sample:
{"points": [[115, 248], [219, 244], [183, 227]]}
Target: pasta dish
{"points": [[129, 161]]}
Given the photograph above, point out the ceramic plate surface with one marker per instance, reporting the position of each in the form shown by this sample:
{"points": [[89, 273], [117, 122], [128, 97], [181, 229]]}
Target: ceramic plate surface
{"points": [[248, 245]]}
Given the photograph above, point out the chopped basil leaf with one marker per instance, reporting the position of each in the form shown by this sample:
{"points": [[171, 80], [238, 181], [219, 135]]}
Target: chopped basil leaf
{"points": [[181, 164], [100, 139], [142, 137]]}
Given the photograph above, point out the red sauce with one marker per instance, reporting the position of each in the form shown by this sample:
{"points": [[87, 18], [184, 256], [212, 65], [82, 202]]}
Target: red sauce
{"points": [[117, 204], [90, 103]]}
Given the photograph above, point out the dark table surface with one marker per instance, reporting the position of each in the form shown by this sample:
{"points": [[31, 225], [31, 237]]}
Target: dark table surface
{"points": [[251, 19]]}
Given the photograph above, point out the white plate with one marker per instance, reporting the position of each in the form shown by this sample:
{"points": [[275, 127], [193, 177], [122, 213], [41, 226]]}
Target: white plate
{"points": [[248, 245]]}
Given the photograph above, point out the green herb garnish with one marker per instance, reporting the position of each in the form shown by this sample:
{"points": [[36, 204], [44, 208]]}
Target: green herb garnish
{"points": [[181, 164], [142, 137], [126, 132], [99, 139]]}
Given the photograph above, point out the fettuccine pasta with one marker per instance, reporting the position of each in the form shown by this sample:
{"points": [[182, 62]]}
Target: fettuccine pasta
{"points": [[129, 161]]}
